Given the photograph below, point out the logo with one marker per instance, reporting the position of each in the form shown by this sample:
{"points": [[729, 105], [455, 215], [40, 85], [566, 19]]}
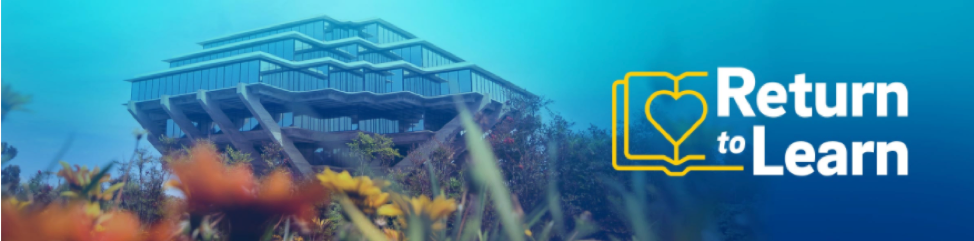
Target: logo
{"points": [[676, 159], [831, 158]]}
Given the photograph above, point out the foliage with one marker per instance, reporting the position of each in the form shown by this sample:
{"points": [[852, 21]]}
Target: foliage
{"points": [[144, 193], [233, 157], [374, 147], [10, 177], [8, 152], [440, 169], [273, 155], [12, 101]]}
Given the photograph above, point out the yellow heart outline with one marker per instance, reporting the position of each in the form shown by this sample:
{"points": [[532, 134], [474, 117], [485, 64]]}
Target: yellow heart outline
{"points": [[676, 96], [624, 83]]}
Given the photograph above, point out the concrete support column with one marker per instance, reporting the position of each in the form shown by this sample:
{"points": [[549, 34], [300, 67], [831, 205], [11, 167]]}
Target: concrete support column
{"points": [[456, 125], [212, 109], [444, 134], [152, 132], [177, 116], [298, 163]]}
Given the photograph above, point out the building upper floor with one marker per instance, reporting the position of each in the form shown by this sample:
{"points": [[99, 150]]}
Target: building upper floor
{"points": [[320, 53], [322, 28], [375, 41]]}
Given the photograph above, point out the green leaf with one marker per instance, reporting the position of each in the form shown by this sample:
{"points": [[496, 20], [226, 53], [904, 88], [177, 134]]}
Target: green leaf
{"points": [[360, 221], [114, 187]]}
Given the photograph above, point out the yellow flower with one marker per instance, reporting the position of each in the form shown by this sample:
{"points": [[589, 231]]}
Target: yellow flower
{"points": [[363, 191], [17, 204], [93, 209], [527, 232], [79, 178], [435, 209], [390, 210], [442, 208]]}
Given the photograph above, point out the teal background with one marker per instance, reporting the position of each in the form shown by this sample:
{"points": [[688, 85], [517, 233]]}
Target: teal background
{"points": [[72, 56]]}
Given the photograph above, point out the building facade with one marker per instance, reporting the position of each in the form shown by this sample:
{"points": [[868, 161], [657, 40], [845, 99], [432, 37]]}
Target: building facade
{"points": [[311, 86]]}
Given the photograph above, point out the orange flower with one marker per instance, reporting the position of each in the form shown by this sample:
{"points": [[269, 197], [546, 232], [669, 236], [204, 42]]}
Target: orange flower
{"points": [[117, 226], [165, 230], [212, 187], [56, 222], [209, 185], [279, 194]]}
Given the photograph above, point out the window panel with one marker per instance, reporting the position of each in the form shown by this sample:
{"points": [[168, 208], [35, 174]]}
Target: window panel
{"points": [[184, 83], [235, 73], [254, 71], [197, 80], [288, 46], [220, 79], [319, 29], [145, 87], [212, 80], [244, 72], [417, 55], [205, 79], [168, 85]]}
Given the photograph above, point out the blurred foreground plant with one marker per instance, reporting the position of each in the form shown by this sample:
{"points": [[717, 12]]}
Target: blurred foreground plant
{"points": [[232, 195]]}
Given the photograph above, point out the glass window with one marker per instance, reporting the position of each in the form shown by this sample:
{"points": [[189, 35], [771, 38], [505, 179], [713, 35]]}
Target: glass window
{"points": [[151, 89], [244, 72], [166, 86], [140, 94], [465, 86], [212, 80], [277, 48], [288, 47], [319, 29], [197, 80], [417, 55], [231, 76], [161, 86], [143, 89], [205, 79], [220, 79], [183, 83], [254, 71]]}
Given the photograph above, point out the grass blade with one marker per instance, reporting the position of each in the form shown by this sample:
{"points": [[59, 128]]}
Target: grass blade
{"points": [[487, 172]]}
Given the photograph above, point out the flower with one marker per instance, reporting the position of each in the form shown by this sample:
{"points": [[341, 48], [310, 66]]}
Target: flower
{"points": [[209, 185], [389, 210], [16, 204], [437, 210], [213, 187], [81, 186], [362, 190], [67, 222]]}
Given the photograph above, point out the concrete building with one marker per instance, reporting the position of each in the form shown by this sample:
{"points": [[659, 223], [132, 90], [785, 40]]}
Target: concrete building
{"points": [[311, 86]]}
